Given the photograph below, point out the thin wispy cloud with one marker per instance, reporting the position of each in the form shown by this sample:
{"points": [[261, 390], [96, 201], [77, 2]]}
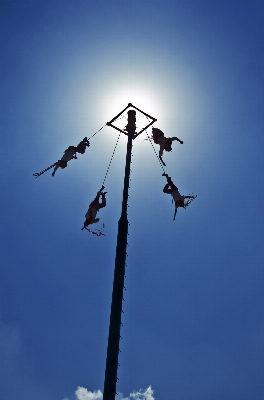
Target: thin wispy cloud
{"points": [[143, 394]]}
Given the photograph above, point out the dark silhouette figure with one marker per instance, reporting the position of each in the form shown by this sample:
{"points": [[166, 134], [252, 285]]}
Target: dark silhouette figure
{"points": [[94, 207], [164, 143], [171, 189], [70, 153]]}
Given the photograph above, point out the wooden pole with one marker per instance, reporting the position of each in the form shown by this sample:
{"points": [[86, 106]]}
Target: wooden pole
{"points": [[119, 276]]}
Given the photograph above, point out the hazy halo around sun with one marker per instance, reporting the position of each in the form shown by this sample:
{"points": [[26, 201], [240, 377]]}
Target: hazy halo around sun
{"points": [[169, 105], [171, 94], [140, 97]]}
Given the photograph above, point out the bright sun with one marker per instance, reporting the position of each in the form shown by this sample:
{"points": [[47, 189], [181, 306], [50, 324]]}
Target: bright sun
{"points": [[142, 98]]}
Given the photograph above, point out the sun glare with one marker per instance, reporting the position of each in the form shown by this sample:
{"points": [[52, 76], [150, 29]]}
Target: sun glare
{"points": [[174, 98], [138, 96]]}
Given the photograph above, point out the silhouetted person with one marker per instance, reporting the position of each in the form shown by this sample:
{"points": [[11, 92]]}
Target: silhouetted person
{"points": [[94, 207], [70, 153], [164, 143], [171, 189]]}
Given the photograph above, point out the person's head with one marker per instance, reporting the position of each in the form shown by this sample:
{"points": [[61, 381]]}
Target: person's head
{"points": [[85, 141], [157, 132]]}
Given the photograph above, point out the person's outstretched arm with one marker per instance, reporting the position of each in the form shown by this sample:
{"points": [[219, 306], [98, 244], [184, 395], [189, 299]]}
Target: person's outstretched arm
{"points": [[179, 140], [162, 161], [160, 154]]}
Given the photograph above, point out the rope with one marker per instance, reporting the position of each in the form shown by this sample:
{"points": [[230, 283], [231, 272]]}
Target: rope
{"points": [[156, 153], [111, 159], [120, 118], [97, 232], [155, 150], [139, 120], [96, 132], [37, 174]]}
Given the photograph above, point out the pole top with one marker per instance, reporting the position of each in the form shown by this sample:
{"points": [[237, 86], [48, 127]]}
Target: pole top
{"points": [[131, 115]]}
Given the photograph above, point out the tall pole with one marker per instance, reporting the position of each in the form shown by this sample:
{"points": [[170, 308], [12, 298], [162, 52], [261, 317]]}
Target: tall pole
{"points": [[119, 276]]}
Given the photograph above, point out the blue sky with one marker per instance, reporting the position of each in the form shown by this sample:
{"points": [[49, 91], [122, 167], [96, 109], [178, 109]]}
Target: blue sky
{"points": [[193, 323]]}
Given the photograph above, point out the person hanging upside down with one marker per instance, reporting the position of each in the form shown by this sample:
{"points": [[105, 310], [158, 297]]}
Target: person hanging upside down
{"points": [[70, 153], [164, 143], [171, 189], [94, 207]]}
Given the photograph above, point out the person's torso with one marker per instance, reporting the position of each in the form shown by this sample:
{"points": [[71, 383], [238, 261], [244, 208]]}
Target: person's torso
{"points": [[177, 196], [67, 156], [162, 140]]}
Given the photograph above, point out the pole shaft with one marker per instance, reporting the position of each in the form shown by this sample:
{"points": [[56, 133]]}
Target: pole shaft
{"points": [[118, 285]]}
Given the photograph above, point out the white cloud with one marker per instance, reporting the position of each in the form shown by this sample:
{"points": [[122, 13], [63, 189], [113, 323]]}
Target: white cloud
{"points": [[147, 395], [119, 396], [84, 394]]}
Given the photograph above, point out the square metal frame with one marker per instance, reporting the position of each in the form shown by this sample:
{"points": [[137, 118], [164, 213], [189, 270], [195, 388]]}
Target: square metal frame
{"points": [[110, 123]]}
